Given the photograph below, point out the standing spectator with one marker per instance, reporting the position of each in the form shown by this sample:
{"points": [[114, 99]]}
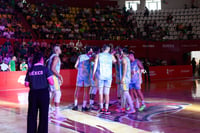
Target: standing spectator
{"points": [[193, 62], [7, 58], [169, 18], [4, 66], [12, 64], [23, 66], [146, 67], [146, 12]]}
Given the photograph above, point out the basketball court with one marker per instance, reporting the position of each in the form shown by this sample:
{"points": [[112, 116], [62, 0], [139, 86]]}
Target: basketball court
{"points": [[172, 106]]}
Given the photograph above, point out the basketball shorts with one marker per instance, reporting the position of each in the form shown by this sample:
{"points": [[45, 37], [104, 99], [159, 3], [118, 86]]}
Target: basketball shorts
{"points": [[83, 82], [56, 86], [136, 85]]}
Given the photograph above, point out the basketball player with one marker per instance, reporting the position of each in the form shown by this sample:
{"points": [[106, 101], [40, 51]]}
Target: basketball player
{"points": [[38, 79], [136, 81], [93, 87], [118, 68], [54, 65], [103, 71], [125, 81], [83, 78]]}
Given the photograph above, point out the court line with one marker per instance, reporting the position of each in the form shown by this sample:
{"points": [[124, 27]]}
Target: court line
{"points": [[15, 89]]}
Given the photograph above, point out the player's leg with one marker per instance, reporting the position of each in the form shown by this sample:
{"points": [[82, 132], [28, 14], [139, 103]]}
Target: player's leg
{"points": [[133, 95], [107, 85], [76, 93], [128, 98], [57, 104], [86, 93], [141, 96], [107, 99], [52, 89], [100, 87], [137, 102], [79, 84], [51, 95], [119, 92], [93, 91], [85, 99]]}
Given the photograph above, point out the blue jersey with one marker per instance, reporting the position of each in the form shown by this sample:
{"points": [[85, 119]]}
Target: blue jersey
{"points": [[135, 77], [128, 72], [84, 67], [104, 67]]}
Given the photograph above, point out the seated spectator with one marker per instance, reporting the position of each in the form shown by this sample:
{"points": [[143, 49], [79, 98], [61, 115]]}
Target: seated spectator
{"points": [[12, 64], [4, 66], [7, 58], [169, 18], [23, 66], [189, 28], [146, 12]]}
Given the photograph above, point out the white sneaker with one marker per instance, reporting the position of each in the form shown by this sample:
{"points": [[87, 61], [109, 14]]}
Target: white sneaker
{"points": [[137, 105], [58, 115], [131, 111]]}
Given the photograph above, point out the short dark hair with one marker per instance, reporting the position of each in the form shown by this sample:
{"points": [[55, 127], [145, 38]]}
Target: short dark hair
{"points": [[37, 57], [125, 50], [132, 52], [87, 49], [105, 46]]}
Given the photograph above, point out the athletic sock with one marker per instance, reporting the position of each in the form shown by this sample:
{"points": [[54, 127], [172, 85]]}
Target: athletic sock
{"points": [[75, 102], [106, 106], [143, 103], [137, 103], [129, 100], [84, 103], [57, 110], [101, 105], [91, 102]]}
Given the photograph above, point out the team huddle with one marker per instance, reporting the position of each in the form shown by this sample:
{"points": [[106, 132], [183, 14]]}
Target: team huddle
{"points": [[95, 74]]}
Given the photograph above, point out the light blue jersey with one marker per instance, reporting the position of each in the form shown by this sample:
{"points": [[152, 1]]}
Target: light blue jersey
{"points": [[104, 67], [58, 65], [128, 72], [84, 67], [56, 85]]}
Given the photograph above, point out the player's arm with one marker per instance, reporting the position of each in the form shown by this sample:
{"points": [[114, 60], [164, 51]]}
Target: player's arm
{"points": [[124, 63], [20, 66], [53, 68], [113, 59], [77, 62], [140, 65], [26, 66], [9, 67], [95, 66]]}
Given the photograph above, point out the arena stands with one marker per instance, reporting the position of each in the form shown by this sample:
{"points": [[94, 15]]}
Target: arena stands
{"points": [[61, 22], [11, 25]]}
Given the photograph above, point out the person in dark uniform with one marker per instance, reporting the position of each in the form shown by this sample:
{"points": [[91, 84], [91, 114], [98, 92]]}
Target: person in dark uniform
{"points": [[38, 79]]}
